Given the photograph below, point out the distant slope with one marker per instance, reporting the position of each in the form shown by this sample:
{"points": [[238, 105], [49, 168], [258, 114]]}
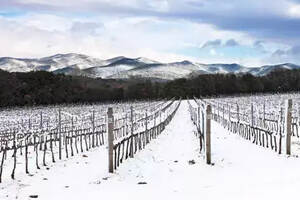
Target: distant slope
{"points": [[115, 67], [126, 68], [167, 71], [51, 63], [261, 71]]}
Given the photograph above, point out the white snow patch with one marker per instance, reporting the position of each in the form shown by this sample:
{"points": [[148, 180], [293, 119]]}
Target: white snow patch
{"points": [[241, 170]]}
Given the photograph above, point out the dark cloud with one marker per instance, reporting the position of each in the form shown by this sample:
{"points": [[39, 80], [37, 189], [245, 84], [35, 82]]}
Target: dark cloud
{"points": [[231, 43], [284, 56], [258, 44], [212, 44], [218, 43], [279, 53]]}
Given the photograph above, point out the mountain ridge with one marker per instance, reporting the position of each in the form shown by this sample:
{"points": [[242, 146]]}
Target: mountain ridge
{"points": [[125, 68]]}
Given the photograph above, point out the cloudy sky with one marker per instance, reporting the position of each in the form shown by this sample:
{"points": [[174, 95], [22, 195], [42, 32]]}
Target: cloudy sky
{"points": [[248, 32]]}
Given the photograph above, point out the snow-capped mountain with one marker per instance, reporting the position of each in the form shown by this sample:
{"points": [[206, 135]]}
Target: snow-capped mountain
{"points": [[124, 68], [260, 71], [157, 70], [51, 63], [225, 68]]}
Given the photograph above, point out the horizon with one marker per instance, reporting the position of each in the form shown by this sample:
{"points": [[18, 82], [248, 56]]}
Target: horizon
{"points": [[160, 62], [261, 33]]}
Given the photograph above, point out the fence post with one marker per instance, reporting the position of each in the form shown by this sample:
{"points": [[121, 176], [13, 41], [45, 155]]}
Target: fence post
{"points": [[59, 133], [198, 121], [41, 120], [203, 124], [131, 142], [72, 124], [218, 113], [264, 114], [288, 125], [281, 114], [223, 120], [251, 115], [200, 130], [146, 127], [29, 123], [238, 112], [93, 127], [229, 113], [159, 127], [207, 133], [298, 115], [160, 115], [110, 127]]}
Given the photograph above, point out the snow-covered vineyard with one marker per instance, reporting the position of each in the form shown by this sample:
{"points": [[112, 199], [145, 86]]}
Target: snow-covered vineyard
{"points": [[237, 148]]}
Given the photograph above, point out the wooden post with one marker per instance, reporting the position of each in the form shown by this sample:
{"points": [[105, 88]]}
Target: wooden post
{"points": [[29, 123], [110, 128], [93, 127], [203, 124], [223, 115], [160, 116], [288, 125], [238, 112], [131, 142], [264, 115], [59, 133], [298, 111], [198, 121], [41, 120], [218, 112], [281, 114], [207, 133], [229, 113], [146, 127], [251, 115]]}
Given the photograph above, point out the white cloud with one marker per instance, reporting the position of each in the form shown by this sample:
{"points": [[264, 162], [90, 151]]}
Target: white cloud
{"points": [[36, 35], [163, 39], [294, 11], [212, 52], [45, 22]]}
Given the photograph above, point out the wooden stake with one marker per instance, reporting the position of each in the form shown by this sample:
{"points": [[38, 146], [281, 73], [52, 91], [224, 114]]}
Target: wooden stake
{"points": [[41, 120], [208, 133], [264, 115], [251, 115], [288, 125], [110, 127], [59, 133], [238, 112], [131, 142]]}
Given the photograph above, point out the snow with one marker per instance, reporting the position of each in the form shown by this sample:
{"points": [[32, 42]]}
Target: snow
{"points": [[163, 71], [146, 60], [95, 67], [240, 170], [105, 72]]}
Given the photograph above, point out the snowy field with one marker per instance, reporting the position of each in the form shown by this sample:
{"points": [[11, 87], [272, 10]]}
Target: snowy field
{"points": [[170, 167]]}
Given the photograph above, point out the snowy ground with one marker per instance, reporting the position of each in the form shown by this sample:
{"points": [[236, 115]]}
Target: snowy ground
{"points": [[241, 170]]}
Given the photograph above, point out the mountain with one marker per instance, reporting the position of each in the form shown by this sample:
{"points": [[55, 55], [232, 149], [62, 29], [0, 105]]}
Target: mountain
{"points": [[51, 63], [260, 71], [167, 71], [115, 66], [225, 68], [124, 68]]}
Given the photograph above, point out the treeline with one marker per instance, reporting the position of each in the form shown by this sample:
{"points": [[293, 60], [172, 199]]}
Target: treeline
{"points": [[41, 88], [232, 84]]}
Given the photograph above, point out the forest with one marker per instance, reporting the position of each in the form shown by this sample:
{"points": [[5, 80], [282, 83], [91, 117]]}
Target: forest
{"points": [[44, 88]]}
